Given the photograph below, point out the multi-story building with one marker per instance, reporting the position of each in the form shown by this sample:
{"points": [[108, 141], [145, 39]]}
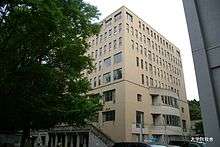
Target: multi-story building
{"points": [[140, 77]]}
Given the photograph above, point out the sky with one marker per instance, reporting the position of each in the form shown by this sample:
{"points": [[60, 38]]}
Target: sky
{"points": [[168, 18]]}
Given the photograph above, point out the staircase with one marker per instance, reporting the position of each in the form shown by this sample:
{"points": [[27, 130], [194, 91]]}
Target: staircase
{"points": [[97, 132]]}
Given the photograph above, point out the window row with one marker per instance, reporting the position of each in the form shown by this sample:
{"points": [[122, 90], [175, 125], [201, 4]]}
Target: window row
{"points": [[168, 100], [171, 120], [106, 48], [102, 37], [115, 18], [143, 50], [151, 82], [106, 78], [150, 32], [162, 63], [158, 72], [107, 62]]}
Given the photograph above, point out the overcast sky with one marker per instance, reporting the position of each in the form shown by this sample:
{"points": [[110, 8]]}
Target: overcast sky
{"points": [[167, 17]]}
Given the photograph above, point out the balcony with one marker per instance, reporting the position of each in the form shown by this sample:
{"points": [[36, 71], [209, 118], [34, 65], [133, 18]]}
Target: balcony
{"points": [[161, 91], [158, 129], [137, 130], [164, 109], [168, 130]]}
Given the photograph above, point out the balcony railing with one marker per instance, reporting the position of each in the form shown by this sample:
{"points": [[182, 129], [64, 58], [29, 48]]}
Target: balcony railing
{"points": [[161, 109], [157, 129]]}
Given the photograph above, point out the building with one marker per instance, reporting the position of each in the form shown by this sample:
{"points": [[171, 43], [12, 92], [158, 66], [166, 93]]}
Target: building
{"points": [[140, 77], [203, 20]]}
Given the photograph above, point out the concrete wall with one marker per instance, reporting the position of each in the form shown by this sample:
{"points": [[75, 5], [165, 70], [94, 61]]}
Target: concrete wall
{"points": [[203, 19]]}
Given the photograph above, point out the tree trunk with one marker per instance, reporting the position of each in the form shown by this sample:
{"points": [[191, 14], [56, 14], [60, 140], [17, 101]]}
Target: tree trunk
{"points": [[25, 137]]}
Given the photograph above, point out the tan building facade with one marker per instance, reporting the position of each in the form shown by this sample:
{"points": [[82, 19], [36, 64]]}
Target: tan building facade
{"points": [[140, 77]]}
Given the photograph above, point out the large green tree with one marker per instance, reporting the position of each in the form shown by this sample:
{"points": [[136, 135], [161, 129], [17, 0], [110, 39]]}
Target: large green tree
{"points": [[194, 110], [42, 56], [195, 115]]}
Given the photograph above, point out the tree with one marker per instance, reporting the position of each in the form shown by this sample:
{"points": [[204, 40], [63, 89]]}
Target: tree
{"points": [[199, 128], [194, 110], [42, 57], [195, 115]]}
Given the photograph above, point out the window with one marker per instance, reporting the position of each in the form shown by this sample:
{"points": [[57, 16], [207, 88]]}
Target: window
{"points": [[139, 97], [144, 38], [139, 118], [117, 74], [99, 80], [142, 64], [109, 95], [108, 115], [149, 55], [108, 22], [107, 62], [132, 31], [120, 41], [129, 17], [105, 35], [151, 82], [184, 125], [151, 33], [145, 52], [136, 33], [107, 77], [127, 28], [139, 24], [115, 29], [100, 39], [172, 120], [137, 46], [95, 67], [100, 65], [147, 81], [141, 49], [118, 58], [140, 34], [137, 61], [96, 53], [150, 68], [105, 48], [117, 16], [96, 40], [120, 27], [115, 44], [142, 78], [132, 44], [182, 109], [100, 51], [110, 32], [109, 46], [94, 82], [148, 31], [146, 67], [148, 41], [153, 57]]}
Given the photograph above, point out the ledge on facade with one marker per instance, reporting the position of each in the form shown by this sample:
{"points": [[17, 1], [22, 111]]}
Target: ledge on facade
{"points": [[162, 91]]}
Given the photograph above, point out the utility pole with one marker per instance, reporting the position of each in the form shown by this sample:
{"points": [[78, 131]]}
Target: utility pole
{"points": [[141, 129]]}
